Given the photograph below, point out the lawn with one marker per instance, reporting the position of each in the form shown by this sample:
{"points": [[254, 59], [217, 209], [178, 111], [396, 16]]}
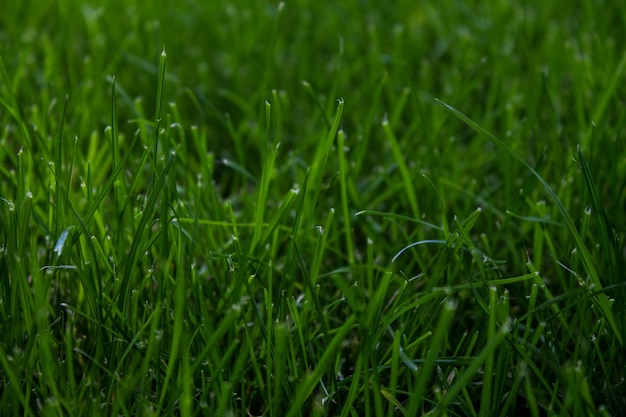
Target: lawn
{"points": [[325, 208]]}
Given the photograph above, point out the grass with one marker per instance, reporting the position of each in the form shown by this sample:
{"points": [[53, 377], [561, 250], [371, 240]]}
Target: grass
{"points": [[340, 209]]}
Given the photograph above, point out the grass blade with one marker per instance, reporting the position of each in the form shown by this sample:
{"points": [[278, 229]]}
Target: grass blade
{"points": [[602, 302]]}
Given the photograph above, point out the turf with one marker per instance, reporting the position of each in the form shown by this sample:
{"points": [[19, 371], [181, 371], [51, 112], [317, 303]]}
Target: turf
{"points": [[312, 208]]}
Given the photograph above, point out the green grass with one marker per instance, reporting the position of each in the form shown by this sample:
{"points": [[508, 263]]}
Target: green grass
{"points": [[312, 209]]}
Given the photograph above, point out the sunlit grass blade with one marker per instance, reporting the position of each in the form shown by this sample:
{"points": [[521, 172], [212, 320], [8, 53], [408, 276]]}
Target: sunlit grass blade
{"points": [[343, 173], [318, 165], [269, 158], [115, 148], [407, 179]]}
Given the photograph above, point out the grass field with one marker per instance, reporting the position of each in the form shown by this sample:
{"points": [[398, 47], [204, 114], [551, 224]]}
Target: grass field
{"points": [[320, 208]]}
